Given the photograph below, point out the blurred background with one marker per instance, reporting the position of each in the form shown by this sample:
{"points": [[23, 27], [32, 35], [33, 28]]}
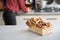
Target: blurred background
{"points": [[39, 5], [38, 8]]}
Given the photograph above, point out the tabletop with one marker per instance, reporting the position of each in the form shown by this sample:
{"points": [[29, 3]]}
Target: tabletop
{"points": [[21, 32]]}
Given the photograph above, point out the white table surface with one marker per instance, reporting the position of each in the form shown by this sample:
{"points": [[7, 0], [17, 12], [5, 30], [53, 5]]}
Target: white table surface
{"points": [[21, 33]]}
